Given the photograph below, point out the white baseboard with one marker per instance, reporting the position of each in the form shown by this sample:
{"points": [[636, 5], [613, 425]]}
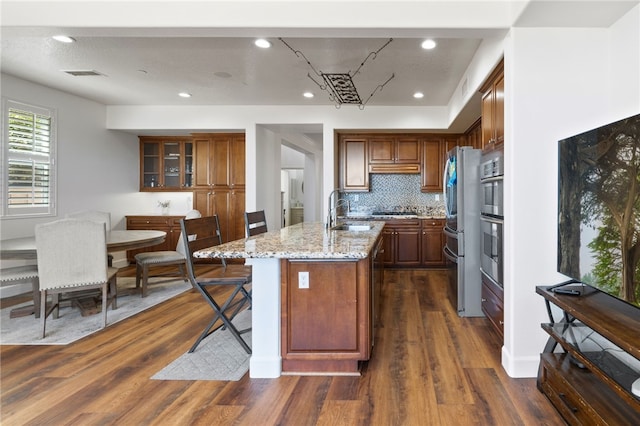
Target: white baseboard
{"points": [[522, 367]]}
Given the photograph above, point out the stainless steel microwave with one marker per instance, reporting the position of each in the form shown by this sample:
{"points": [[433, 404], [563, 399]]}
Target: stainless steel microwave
{"points": [[492, 184], [492, 196]]}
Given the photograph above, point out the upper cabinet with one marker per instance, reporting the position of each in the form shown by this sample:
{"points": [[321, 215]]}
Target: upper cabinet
{"points": [[419, 153], [219, 180], [493, 109], [166, 163], [394, 154], [473, 135], [219, 160], [353, 163], [433, 150]]}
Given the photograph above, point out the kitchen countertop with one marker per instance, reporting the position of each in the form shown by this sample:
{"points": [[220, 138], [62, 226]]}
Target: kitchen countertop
{"points": [[308, 240]]}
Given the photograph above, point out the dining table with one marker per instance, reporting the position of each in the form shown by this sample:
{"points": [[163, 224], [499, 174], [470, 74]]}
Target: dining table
{"points": [[24, 248], [117, 240]]}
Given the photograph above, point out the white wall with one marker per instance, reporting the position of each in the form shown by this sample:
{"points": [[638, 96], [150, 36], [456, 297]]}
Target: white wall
{"points": [[559, 82], [267, 171], [96, 168]]}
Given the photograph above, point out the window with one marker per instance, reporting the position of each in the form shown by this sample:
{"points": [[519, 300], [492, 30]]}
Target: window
{"points": [[28, 160]]}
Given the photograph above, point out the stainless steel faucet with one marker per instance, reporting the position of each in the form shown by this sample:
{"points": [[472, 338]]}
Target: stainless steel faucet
{"points": [[334, 203]]}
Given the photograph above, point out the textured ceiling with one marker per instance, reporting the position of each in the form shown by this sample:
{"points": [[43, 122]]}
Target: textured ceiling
{"points": [[233, 71]]}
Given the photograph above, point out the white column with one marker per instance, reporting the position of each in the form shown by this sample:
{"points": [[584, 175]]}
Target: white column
{"points": [[266, 361]]}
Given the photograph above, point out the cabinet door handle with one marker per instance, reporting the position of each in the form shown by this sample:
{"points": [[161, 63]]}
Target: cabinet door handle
{"points": [[563, 397]]}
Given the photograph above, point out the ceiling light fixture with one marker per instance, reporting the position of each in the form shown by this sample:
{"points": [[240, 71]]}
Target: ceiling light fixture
{"points": [[341, 88], [418, 95], [63, 38], [262, 43], [184, 94], [308, 95], [428, 44]]}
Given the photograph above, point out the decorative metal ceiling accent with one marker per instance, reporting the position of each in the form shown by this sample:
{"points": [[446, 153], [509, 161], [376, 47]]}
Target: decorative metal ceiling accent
{"points": [[340, 86]]}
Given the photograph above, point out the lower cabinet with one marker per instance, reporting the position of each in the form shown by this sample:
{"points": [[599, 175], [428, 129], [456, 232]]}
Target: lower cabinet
{"points": [[402, 243], [228, 204], [432, 243], [168, 224], [413, 243], [492, 300], [326, 323]]}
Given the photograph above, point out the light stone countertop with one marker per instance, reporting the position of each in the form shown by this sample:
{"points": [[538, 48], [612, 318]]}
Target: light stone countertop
{"points": [[308, 240]]}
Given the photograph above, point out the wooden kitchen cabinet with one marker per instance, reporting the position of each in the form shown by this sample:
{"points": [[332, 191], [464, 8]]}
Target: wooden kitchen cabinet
{"points": [[220, 160], [168, 224], [220, 180], [166, 163], [326, 326], [432, 165], [353, 163], [228, 204], [492, 304], [473, 135], [395, 154], [413, 243], [402, 243], [432, 243], [493, 109]]}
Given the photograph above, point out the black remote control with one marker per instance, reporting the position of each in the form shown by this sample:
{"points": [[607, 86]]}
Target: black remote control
{"points": [[566, 291]]}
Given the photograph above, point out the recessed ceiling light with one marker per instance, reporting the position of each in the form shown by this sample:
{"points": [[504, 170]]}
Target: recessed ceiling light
{"points": [[222, 74], [308, 95], [64, 38], [428, 44], [418, 95], [184, 94], [264, 44]]}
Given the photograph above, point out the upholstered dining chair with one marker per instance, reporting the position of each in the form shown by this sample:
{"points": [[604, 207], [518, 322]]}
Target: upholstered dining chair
{"points": [[96, 216], [255, 223], [72, 257], [146, 261], [201, 233]]}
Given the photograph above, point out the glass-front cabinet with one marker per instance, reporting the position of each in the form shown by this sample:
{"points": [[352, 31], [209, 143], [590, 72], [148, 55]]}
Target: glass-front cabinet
{"points": [[166, 163]]}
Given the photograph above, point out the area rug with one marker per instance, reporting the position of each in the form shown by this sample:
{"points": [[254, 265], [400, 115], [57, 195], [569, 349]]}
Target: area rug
{"points": [[218, 357], [71, 325]]}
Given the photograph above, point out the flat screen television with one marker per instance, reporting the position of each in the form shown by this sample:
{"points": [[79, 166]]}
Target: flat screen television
{"points": [[599, 208]]}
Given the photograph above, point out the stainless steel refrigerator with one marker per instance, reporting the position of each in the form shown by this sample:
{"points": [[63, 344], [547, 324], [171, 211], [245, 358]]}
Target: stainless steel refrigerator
{"points": [[461, 187]]}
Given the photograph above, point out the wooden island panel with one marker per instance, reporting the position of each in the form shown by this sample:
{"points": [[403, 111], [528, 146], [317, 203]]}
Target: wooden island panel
{"points": [[325, 328]]}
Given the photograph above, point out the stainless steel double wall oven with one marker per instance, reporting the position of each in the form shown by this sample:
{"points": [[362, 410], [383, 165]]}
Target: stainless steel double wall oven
{"points": [[492, 217]]}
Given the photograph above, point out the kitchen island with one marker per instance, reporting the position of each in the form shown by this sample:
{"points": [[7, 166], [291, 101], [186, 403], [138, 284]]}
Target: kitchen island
{"points": [[313, 297]]}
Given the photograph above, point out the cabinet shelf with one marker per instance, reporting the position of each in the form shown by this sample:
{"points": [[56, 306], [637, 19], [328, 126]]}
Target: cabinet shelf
{"points": [[590, 381], [580, 396], [584, 345]]}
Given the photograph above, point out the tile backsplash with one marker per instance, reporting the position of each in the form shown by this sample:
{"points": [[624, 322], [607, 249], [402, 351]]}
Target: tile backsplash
{"points": [[393, 192]]}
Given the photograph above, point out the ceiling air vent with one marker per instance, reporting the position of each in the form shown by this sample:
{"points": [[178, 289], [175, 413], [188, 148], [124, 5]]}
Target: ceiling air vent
{"points": [[83, 73]]}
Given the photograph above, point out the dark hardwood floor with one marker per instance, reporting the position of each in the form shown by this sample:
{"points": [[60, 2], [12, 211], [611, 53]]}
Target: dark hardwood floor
{"points": [[429, 367]]}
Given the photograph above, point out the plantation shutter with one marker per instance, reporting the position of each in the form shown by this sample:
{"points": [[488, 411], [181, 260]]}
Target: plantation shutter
{"points": [[29, 161]]}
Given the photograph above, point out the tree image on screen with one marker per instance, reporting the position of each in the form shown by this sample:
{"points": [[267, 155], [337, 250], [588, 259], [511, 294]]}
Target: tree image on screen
{"points": [[599, 208]]}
